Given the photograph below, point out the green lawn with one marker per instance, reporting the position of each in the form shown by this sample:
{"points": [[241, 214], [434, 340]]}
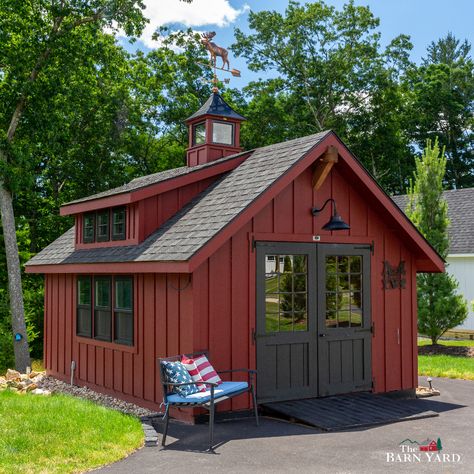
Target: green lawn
{"points": [[452, 367], [457, 342], [60, 433]]}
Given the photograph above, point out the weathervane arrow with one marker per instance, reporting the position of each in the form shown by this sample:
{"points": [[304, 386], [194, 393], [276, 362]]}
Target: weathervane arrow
{"points": [[215, 51]]}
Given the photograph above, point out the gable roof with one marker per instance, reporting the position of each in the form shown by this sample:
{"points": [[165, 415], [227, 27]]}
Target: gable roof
{"points": [[216, 105], [199, 221], [460, 213], [194, 232]]}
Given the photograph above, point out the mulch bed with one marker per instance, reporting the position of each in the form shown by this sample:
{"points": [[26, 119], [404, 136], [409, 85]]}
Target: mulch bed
{"points": [[438, 349]]}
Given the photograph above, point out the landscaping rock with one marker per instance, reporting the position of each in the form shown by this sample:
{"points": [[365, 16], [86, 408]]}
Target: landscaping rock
{"points": [[58, 386], [12, 375], [31, 387]]}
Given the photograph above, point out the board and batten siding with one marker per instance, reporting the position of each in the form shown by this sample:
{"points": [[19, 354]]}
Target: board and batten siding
{"points": [[461, 267], [163, 326], [224, 284]]}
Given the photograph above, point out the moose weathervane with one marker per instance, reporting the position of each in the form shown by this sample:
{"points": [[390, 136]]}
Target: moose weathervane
{"points": [[215, 51]]}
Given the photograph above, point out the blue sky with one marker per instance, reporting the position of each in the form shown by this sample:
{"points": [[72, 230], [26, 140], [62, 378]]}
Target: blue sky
{"points": [[423, 20]]}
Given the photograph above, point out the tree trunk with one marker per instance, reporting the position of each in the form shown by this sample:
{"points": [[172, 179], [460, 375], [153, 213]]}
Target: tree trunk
{"points": [[22, 352]]}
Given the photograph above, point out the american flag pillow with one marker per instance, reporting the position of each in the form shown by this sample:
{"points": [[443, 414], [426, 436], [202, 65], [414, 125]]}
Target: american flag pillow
{"points": [[200, 369]]}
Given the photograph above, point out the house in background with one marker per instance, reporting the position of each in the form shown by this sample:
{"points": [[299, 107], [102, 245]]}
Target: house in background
{"points": [[232, 253], [460, 259]]}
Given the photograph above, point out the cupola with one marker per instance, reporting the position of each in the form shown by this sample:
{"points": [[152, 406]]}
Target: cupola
{"points": [[214, 131]]}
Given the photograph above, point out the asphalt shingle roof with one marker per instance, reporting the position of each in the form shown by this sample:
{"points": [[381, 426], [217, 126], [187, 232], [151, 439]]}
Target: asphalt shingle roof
{"points": [[151, 179], [460, 213], [194, 225]]}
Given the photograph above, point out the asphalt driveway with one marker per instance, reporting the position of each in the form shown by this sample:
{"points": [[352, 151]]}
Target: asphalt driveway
{"points": [[277, 446]]}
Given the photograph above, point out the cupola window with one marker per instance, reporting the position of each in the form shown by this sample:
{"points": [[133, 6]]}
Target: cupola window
{"points": [[223, 133], [199, 133]]}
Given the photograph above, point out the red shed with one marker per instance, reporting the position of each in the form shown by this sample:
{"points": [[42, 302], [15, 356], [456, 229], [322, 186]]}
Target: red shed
{"points": [[230, 254]]}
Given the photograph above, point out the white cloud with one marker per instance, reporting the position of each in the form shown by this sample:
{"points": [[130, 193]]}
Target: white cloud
{"points": [[195, 14]]}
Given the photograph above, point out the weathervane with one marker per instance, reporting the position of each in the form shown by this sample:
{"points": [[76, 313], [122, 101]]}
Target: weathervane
{"points": [[215, 51]]}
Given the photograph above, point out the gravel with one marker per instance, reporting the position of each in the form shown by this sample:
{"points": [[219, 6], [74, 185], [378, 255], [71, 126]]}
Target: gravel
{"points": [[57, 386]]}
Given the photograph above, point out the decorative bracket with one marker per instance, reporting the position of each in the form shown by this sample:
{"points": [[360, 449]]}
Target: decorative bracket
{"points": [[324, 166], [394, 277]]}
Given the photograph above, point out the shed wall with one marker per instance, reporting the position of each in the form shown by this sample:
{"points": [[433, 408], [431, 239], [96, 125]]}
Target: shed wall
{"points": [[163, 326], [224, 285]]}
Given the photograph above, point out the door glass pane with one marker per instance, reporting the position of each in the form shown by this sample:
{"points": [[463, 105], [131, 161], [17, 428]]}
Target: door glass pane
{"points": [[356, 308], [286, 289], [344, 291]]}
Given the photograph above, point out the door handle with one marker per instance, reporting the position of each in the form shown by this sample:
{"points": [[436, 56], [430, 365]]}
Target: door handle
{"points": [[321, 334]]}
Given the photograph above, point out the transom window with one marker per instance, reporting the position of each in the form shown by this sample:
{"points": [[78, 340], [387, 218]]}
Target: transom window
{"points": [[223, 132], [105, 308], [286, 293], [343, 291], [104, 225]]}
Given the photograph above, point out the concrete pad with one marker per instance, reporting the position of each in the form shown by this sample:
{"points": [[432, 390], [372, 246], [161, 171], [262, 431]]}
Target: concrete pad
{"points": [[278, 446]]}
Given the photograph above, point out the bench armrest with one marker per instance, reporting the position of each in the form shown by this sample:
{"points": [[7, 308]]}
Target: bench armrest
{"points": [[250, 371], [170, 384]]}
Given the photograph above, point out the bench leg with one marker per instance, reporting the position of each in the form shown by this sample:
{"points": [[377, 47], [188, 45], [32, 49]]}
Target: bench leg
{"points": [[165, 427], [211, 425], [254, 399]]}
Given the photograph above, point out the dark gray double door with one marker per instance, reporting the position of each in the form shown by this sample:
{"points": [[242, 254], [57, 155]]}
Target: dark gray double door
{"points": [[313, 331]]}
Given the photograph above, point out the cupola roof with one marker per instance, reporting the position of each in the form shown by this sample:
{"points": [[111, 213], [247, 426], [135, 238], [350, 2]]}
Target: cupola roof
{"points": [[216, 105]]}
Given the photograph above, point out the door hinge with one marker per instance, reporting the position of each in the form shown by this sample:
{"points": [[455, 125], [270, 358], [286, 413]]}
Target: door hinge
{"points": [[254, 336], [373, 383], [372, 329]]}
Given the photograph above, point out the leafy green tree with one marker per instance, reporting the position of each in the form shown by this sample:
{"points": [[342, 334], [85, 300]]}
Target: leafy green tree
{"points": [[439, 306], [440, 104], [329, 73], [32, 35]]}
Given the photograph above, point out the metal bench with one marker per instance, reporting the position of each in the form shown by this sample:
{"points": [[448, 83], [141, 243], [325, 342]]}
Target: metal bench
{"points": [[208, 399]]}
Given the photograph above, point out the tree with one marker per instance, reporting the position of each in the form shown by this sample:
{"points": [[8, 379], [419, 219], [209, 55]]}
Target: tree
{"points": [[330, 73], [33, 34], [77, 136], [440, 104], [439, 306]]}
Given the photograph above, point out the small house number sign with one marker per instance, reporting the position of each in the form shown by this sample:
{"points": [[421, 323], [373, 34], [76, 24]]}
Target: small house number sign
{"points": [[394, 276]]}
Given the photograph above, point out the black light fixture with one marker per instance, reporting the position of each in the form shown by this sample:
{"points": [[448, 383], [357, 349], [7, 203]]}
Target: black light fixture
{"points": [[336, 222]]}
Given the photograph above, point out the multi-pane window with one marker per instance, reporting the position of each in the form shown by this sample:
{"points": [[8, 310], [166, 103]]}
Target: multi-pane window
{"points": [[103, 231], [286, 293], [123, 310], [199, 133], [105, 308], [84, 306], [88, 228], [223, 133], [344, 291], [104, 225], [118, 223]]}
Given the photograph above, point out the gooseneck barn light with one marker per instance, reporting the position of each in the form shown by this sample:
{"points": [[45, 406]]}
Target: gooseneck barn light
{"points": [[336, 222]]}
